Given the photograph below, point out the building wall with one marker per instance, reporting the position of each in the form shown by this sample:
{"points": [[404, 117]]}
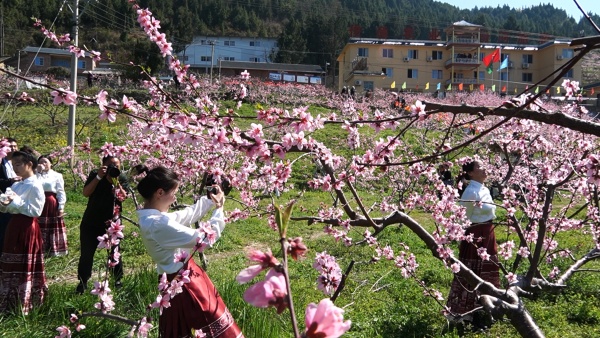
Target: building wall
{"points": [[41, 62], [200, 52], [401, 65]]}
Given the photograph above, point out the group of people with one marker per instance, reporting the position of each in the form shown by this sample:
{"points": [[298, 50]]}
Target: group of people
{"points": [[32, 228], [32, 209], [31, 225]]}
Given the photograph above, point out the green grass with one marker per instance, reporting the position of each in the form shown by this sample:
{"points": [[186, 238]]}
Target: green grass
{"points": [[378, 300]]}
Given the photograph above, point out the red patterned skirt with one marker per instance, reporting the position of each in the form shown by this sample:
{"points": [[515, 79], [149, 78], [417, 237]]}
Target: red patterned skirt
{"points": [[198, 307], [54, 232], [462, 297], [22, 276]]}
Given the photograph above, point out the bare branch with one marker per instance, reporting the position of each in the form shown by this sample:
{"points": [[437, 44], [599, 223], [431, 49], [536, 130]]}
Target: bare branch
{"points": [[593, 254], [587, 16]]}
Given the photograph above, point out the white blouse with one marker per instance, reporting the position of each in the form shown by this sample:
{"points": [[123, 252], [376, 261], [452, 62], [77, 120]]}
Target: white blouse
{"points": [[29, 199], [166, 233], [52, 181], [474, 193]]}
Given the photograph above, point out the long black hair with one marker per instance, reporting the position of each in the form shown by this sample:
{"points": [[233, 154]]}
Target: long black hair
{"points": [[156, 178], [467, 168]]}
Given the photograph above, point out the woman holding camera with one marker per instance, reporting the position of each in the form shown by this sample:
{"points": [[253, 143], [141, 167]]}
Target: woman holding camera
{"points": [[22, 275], [165, 234], [106, 188], [51, 221]]}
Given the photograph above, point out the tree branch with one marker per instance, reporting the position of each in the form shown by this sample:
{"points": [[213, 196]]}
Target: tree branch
{"points": [[593, 254]]}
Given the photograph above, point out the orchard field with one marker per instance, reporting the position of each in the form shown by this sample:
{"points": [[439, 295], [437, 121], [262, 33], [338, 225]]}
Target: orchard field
{"points": [[378, 300]]}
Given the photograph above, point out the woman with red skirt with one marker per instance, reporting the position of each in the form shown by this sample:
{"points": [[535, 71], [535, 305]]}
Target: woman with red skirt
{"points": [[481, 211], [22, 275], [167, 234], [52, 224]]}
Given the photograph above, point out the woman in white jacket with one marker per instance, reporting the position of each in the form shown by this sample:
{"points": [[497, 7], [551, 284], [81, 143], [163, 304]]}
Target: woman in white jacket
{"points": [[22, 274], [52, 224], [165, 234]]}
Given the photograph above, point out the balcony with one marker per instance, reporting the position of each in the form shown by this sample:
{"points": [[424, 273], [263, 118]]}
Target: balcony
{"points": [[462, 41], [464, 62]]}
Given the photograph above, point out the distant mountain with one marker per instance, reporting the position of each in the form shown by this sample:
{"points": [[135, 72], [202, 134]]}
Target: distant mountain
{"points": [[309, 31]]}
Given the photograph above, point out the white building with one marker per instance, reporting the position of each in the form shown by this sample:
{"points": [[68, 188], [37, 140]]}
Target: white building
{"points": [[206, 51]]}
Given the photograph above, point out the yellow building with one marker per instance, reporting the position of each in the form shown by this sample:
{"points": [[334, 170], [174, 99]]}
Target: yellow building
{"points": [[455, 64]]}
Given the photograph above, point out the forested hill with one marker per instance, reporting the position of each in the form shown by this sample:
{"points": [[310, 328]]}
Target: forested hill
{"points": [[309, 31]]}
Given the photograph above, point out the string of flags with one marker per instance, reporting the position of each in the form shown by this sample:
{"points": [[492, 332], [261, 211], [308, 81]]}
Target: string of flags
{"points": [[471, 87]]}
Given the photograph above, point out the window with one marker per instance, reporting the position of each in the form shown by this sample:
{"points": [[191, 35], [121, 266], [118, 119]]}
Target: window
{"points": [[527, 77], [437, 74], [61, 63], [569, 73], [184, 58], [228, 58], [205, 59], [504, 76], [413, 54], [481, 75], [254, 59], [412, 73], [254, 43], [389, 72], [81, 64], [436, 55], [364, 52], [368, 85], [567, 53], [527, 58], [39, 61], [388, 53], [504, 56], [229, 43]]}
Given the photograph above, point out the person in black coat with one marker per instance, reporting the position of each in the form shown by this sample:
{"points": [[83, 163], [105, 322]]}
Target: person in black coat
{"points": [[7, 178], [99, 211]]}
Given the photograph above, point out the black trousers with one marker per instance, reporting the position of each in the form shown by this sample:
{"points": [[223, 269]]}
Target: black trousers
{"points": [[4, 219], [88, 236]]}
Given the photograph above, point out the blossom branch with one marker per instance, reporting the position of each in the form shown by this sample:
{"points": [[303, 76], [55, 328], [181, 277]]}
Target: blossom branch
{"points": [[342, 282], [284, 249]]}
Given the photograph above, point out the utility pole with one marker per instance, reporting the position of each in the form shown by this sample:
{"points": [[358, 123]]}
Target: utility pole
{"points": [[73, 107], [2, 29], [212, 56]]}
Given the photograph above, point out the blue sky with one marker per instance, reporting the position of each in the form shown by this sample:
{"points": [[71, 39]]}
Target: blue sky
{"points": [[568, 5]]}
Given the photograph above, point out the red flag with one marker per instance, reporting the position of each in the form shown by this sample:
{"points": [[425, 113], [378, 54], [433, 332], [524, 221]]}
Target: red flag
{"points": [[481, 87], [460, 86], [494, 57], [503, 88]]}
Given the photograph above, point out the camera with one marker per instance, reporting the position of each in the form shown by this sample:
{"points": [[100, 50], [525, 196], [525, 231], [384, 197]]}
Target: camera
{"points": [[210, 181], [113, 171]]}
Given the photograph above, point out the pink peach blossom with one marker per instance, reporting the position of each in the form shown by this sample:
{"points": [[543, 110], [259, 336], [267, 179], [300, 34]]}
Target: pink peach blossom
{"points": [[269, 292], [325, 320]]}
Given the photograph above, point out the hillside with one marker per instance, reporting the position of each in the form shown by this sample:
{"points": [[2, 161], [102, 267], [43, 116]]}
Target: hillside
{"points": [[591, 68]]}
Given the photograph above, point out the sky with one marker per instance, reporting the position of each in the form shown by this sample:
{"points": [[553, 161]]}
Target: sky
{"points": [[568, 5]]}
